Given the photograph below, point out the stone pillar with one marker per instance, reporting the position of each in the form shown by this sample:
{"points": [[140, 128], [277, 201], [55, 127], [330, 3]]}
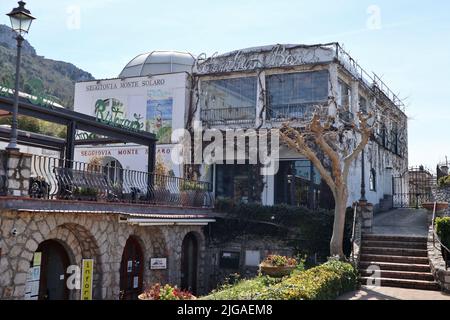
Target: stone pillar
{"points": [[18, 173], [365, 212]]}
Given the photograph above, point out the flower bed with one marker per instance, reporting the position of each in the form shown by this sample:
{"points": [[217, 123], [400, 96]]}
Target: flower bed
{"points": [[159, 292], [325, 282]]}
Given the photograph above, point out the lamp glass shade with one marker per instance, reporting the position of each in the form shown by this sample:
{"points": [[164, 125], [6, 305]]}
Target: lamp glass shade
{"points": [[21, 19]]}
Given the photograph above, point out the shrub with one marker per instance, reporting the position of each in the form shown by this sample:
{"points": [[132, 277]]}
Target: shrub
{"points": [[325, 282], [443, 230], [444, 182]]}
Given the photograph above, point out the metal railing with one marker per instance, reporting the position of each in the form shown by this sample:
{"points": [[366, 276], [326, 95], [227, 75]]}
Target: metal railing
{"points": [[53, 178], [229, 115], [371, 80], [353, 239], [436, 238], [303, 111]]}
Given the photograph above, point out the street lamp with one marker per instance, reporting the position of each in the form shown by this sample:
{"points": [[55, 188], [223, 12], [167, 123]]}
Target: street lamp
{"points": [[21, 20]]}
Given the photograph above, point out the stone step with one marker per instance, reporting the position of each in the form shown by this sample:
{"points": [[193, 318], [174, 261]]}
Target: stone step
{"points": [[394, 252], [423, 276], [403, 283], [395, 244], [396, 266], [393, 259], [378, 237]]}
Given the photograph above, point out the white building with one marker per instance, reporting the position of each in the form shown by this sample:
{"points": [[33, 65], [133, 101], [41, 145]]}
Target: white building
{"points": [[265, 86], [252, 88], [151, 94]]}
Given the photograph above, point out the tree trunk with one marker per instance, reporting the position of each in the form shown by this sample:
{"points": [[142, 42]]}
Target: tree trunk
{"points": [[337, 241]]}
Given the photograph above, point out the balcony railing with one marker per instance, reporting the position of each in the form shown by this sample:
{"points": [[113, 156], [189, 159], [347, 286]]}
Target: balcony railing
{"points": [[304, 111], [229, 115], [56, 179]]}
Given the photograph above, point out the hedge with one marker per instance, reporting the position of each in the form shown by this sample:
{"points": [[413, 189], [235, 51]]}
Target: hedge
{"points": [[325, 282], [443, 230]]}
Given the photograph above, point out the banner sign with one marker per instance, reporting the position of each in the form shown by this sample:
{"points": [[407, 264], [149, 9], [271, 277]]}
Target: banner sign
{"points": [[87, 279]]}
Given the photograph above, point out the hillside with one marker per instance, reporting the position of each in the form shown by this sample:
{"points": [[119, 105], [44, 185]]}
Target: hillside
{"points": [[56, 77]]}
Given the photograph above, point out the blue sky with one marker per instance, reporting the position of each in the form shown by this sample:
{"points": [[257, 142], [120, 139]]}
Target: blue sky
{"points": [[407, 43]]}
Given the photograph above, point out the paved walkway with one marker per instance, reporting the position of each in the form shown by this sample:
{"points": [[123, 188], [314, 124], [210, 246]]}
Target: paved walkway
{"points": [[386, 293], [402, 222]]}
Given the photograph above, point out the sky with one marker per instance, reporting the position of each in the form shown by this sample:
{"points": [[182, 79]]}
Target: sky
{"points": [[407, 43]]}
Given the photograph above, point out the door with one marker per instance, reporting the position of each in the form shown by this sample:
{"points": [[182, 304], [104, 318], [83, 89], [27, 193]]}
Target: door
{"points": [[54, 264], [131, 271], [189, 263]]}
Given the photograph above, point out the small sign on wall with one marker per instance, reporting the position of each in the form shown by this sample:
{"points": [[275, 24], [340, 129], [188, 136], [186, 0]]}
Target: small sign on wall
{"points": [[87, 279], [158, 264]]}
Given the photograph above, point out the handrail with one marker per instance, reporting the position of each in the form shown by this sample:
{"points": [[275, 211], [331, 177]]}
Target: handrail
{"points": [[354, 231], [435, 235]]}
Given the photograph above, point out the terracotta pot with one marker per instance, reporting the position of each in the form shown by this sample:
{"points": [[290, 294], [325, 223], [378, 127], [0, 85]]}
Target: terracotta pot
{"points": [[276, 272], [440, 206], [142, 297]]}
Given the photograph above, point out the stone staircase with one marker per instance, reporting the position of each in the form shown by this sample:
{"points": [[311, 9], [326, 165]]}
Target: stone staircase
{"points": [[385, 203], [403, 262]]}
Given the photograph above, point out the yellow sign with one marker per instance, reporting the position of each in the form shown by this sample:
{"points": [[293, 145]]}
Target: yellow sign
{"points": [[37, 259], [87, 279]]}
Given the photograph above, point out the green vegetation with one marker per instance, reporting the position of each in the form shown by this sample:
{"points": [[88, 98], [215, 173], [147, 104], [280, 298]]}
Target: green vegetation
{"points": [[325, 282], [444, 182], [443, 230], [309, 231]]}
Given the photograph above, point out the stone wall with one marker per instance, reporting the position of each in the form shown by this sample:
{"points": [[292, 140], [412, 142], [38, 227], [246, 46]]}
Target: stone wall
{"points": [[89, 236], [265, 246], [442, 195], [437, 263]]}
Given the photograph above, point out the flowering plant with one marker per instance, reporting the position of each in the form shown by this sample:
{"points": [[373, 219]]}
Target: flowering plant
{"points": [[279, 261], [167, 292]]}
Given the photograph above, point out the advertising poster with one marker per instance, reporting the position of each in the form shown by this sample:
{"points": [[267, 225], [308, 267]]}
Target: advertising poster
{"points": [[159, 114]]}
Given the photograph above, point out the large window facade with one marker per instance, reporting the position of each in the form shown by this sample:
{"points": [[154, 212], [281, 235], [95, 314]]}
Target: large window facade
{"points": [[238, 182], [292, 95], [298, 183], [229, 100]]}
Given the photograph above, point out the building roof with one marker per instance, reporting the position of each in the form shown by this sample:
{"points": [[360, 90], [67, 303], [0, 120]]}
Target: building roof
{"points": [[158, 62]]}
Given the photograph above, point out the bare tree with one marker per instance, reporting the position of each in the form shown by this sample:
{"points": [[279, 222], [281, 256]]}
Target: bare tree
{"points": [[340, 143]]}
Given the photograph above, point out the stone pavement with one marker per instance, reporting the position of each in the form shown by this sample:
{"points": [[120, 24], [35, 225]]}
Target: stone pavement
{"points": [[386, 293], [401, 222]]}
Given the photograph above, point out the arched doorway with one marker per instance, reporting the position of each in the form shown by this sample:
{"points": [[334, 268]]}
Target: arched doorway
{"points": [[54, 263], [189, 263], [131, 270]]}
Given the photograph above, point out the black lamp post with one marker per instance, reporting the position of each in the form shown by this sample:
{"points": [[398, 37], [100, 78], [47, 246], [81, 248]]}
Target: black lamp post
{"points": [[21, 20]]}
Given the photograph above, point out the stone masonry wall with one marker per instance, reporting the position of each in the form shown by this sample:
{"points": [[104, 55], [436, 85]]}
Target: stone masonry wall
{"points": [[97, 236]]}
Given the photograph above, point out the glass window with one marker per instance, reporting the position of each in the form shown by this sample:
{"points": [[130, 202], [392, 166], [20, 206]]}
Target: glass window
{"points": [[345, 95], [229, 93], [288, 93], [363, 105], [373, 180]]}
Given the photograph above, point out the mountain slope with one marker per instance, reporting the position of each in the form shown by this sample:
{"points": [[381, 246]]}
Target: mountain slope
{"points": [[56, 78]]}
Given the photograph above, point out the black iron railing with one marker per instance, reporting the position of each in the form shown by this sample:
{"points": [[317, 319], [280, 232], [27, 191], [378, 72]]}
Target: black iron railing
{"points": [[303, 111], [53, 178], [229, 115]]}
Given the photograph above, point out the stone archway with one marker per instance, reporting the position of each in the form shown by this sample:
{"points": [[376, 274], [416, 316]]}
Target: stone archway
{"points": [[78, 243]]}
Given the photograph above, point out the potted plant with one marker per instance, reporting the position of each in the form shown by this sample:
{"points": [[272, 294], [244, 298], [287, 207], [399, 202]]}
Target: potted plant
{"points": [[440, 207], [167, 292], [278, 266], [190, 191]]}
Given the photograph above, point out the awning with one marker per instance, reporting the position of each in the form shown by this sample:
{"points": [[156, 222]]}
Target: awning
{"points": [[152, 220]]}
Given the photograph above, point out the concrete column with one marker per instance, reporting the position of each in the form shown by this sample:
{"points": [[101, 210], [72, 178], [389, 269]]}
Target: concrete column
{"points": [[333, 88], [260, 102], [355, 98], [18, 173]]}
